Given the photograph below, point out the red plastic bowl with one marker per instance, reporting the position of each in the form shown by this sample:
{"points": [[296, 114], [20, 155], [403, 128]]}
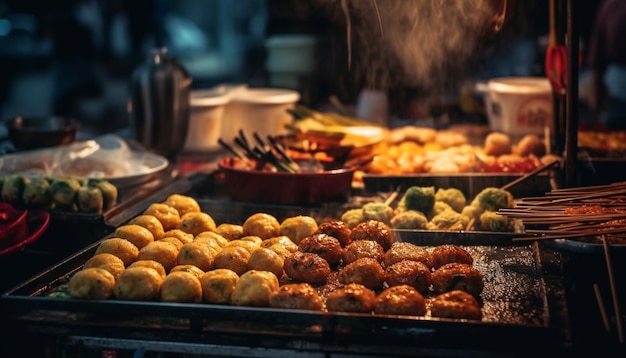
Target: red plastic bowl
{"points": [[13, 225], [286, 188]]}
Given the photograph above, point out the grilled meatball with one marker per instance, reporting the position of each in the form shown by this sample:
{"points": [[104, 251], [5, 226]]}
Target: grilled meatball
{"points": [[106, 261], [363, 248], [456, 304], [157, 266], [297, 296], [458, 276], [365, 271], [306, 267], [337, 229], [92, 283], [234, 258], [408, 272], [262, 225], [400, 251], [254, 288], [218, 285], [353, 297], [298, 227], [324, 245], [138, 284], [119, 247], [445, 254], [373, 230], [401, 300], [181, 286]]}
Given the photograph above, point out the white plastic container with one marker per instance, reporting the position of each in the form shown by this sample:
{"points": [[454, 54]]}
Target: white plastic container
{"points": [[289, 57], [205, 120], [520, 105]]}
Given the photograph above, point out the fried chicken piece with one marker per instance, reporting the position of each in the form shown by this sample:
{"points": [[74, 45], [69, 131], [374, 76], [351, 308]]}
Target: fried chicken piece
{"points": [[306, 267], [401, 300], [408, 272], [352, 297], [363, 248], [444, 254], [400, 251], [373, 230], [365, 271], [456, 304], [337, 229], [458, 276], [324, 245], [297, 296]]}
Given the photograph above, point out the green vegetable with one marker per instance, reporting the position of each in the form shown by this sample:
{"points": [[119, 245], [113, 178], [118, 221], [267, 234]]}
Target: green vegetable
{"points": [[409, 219], [494, 199], [109, 192], [90, 200], [13, 189], [352, 217], [37, 194], [420, 198], [448, 220], [453, 197], [377, 211], [492, 221], [64, 192]]}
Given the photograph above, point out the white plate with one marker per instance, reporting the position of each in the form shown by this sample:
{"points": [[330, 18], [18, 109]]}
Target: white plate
{"points": [[148, 165]]}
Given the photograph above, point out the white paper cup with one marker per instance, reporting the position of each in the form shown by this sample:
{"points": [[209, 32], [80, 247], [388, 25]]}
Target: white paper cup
{"points": [[205, 120]]}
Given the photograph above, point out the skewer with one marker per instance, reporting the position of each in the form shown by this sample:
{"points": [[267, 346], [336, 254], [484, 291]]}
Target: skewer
{"points": [[605, 317], [609, 267], [529, 175], [571, 235]]}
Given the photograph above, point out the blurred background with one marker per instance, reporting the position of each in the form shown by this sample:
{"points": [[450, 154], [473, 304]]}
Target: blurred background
{"points": [[75, 57]]}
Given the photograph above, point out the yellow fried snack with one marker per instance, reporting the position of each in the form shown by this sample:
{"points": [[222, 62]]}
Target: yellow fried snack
{"points": [[219, 239], [282, 240], [184, 237], [106, 261], [167, 215], [196, 223], [255, 288], [122, 248], [263, 259], [161, 251], [197, 254], [298, 227], [150, 264], [262, 225], [151, 223], [230, 231], [182, 203], [246, 244], [92, 283], [173, 240], [218, 285], [138, 283], [181, 286], [188, 268], [234, 258], [138, 235]]}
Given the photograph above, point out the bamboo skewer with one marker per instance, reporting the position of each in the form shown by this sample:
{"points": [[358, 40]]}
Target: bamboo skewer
{"points": [[609, 266], [605, 317]]}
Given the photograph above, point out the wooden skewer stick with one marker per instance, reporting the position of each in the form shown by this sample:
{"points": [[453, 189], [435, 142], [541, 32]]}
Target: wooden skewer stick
{"points": [[572, 235], [529, 175], [609, 267], [605, 317]]}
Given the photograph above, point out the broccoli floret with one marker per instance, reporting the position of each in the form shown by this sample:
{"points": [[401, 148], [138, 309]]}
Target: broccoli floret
{"points": [[420, 198], [492, 221], [448, 220], [377, 211], [353, 217], [494, 199], [453, 197], [409, 219]]}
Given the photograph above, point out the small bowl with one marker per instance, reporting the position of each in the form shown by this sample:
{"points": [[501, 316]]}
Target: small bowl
{"points": [[39, 132], [286, 188]]}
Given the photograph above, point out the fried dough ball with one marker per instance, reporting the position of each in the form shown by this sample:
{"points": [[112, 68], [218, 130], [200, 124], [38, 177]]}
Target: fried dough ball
{"points": [[184, 237], [188, 268], [408, 272], [324, 245], [298, 227], [161, 251], [497, 143], [246, 244], [456, 304], [92, 283], [150, 264], [401, 300], [352, 297], [119, 247], [306, 267], [210, 242], [234, 258], [280, 250], [138, 283], [182, 287], [138, 235], [458, 276], [174, 241], [254, 239], [337, 229], [263, 259], [363, 248], [183, 204], [365, 271], [230, 231], [282, 240], [167, 215], [197, 254], [106, 261], [151, 223], [297, 296], [400, 251], [262, 225], [373, 230], [444, 254], [219, 239], [196, 223], [530, 144], [255, 288], [218, 285]]}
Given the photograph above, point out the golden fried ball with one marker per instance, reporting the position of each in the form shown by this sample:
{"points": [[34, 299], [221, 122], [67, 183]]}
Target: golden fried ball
{"points": [[497, 143], [373, 230], [401, 300], [151, 223], [263, 259], [183, 203], [138, 235], [262, 225], [122, 248], [218, 285], [181, 286], [444, 254], [230, 231], [456, 304], [218, 238], [298, 227], [280, 250], [157, 266], [173, 240], [255, 288], [297, 296], [161, 251], [400, 251], [246, 244], [138, 283], [196, 222], [184, 237], [324, 245], [254, 239], [306, 267], [167, 215], [352, 297], [458, 276], [197, 254], [106, 261], [188, 268], [234, 258], [282, 240], [363, 248], [92, 283], [365, 271]]}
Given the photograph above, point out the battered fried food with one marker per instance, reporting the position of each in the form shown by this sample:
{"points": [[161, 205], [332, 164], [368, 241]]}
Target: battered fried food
{"points": [[352, 297], [255, 288], [363, 248], [458, 276], [265, 259], [138, 235], [337, 229], [400, 300], [298, 227], [297, 296], [151, 223], [219, 239], [182, 203], [92, 283], [106, 261], [181, 286], [184, 237], [408, 272], [444, 254], [119, 247], [306, 267], [365, 271], [324, 245], [150, 264], [188, 268], [138, 283], [173, 240], [373, 230], [218, 285], [282, 240], [234, 258], [167, 215], [262, 225], [196, 222], [456, 304], [230, 231], [161, 251], [400, 251], [246, 244], [197, 254]]}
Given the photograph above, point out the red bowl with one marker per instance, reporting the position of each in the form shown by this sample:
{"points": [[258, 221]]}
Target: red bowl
{"points": [[13, 225], [286, 188]]}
